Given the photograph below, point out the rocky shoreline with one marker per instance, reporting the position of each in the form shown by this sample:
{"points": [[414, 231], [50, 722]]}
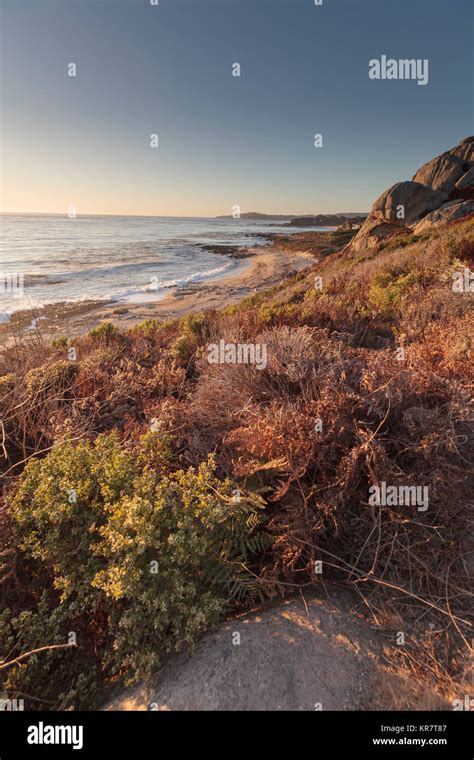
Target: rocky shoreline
{"points": [[267, 265], [233, 251]]}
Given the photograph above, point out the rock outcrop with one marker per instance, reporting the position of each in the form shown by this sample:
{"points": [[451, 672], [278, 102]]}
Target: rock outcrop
{"points": [[448, 212], [466, 181], [406, 202], [293, 656], [372, 232], [440, 191], [444, 171]]}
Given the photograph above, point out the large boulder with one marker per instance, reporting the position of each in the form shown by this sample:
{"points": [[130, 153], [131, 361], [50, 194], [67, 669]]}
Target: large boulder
{"points": [[405, 203], [394, 211], [448, 212], [466, 181], [444, 171], [372, 233], [296, 655]]}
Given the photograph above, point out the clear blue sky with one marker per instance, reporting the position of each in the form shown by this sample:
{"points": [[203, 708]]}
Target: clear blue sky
{"points": [[224, 140]]}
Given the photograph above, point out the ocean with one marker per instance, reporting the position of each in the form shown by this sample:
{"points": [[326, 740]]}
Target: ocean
{"points": [[115, 258]]}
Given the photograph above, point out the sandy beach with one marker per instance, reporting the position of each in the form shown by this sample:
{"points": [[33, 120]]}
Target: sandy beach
{"points": [[262, 269]]}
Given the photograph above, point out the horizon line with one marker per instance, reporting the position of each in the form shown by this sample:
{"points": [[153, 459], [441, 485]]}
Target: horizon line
{"points": [[183, 216]]}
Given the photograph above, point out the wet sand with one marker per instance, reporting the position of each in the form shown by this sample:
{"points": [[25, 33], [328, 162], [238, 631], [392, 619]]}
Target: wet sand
{"points": [[262, 269]]}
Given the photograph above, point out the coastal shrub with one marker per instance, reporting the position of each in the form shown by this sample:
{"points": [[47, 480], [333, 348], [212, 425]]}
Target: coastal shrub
{"points": [[183, 350], [106, 333], [259, 298], [54, 679], [30, 403], [333, 412], [54, 378], [134, 556], [230, 310], [458, 243], [195, 332], [386, 291], [7, 383], [291, 352], [148, 328], [402, 241], [61, 342], [198, 324]]}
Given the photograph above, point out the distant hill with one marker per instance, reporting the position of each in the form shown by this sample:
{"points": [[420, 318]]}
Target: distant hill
{"points": [[326, 220], [286, 217], [257, 215]]}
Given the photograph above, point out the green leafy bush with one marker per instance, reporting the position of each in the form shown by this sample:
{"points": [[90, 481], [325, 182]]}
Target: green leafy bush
{"points": [[106, 333], [7, 383], [197, 324], [154, 328], [61, 342], [387, 290], [196, 330], [136, 557]]}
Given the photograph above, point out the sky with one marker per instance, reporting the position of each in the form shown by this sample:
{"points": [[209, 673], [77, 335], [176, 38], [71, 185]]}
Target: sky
{"points": [[224, 141]]}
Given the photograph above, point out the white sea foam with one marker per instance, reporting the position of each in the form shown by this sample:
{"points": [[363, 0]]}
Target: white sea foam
{"points": [[117, 259]]}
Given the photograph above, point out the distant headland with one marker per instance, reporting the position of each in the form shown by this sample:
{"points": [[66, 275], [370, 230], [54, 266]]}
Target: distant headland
{"points": [[305, 220]]}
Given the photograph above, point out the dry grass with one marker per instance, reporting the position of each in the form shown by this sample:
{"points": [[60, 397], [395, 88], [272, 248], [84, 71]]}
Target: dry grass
{"points": [[333, 413]]}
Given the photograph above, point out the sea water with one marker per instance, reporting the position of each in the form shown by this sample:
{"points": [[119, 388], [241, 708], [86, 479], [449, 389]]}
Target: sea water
{"points": [[115, 258]]}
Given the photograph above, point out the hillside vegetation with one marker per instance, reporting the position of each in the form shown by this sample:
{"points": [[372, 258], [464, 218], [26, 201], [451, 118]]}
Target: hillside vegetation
{"points": [[147, 492]]}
